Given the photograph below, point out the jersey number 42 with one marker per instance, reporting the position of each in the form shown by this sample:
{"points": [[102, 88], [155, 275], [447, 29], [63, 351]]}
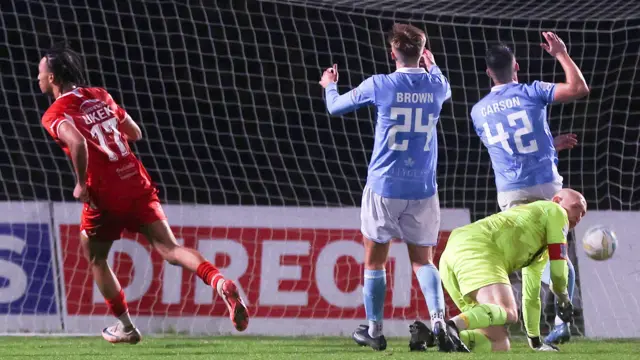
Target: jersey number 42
{"points": [[411, 119], [502, 136]]}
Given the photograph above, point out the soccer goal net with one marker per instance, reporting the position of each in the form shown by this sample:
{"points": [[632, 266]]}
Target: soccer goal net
{"points": [[258, 177]]}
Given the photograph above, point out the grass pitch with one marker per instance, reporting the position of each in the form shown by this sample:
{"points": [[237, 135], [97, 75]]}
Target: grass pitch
{"points": [[323, 348]]}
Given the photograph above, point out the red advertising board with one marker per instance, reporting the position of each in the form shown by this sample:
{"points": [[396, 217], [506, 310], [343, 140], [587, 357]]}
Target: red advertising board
{"points": [[295, 273], [300, 270]]}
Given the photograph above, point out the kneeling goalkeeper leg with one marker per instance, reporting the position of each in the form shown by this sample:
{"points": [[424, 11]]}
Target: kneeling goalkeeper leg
{"points": [[468, 326], [481, 316], [476, 341]]}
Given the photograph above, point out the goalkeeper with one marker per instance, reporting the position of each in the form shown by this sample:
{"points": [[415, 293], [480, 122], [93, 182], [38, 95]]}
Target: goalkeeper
{"points": [[479, 257]]}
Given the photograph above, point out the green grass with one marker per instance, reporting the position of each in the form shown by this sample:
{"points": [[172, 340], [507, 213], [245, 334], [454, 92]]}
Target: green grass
{"points": [[186, 348]]}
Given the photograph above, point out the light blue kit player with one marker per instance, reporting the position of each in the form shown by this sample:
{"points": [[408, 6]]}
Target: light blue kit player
{"points": [[512, 123], [400, 199]]}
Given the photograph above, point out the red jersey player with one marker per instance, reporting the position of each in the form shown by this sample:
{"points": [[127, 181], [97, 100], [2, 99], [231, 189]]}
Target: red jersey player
{"points": [[114, 186]]}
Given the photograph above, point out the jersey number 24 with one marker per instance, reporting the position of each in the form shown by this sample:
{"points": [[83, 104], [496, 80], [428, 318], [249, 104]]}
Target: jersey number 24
{"points": [[502, 137], [410, 118]]}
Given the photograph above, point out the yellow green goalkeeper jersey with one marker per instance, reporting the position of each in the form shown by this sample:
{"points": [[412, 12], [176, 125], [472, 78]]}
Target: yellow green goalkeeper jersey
{"points": [[525, 237], [521, 234]]}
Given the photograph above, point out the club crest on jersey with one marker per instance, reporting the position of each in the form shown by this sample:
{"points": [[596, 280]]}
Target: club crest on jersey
{"points": [[409, 162]]}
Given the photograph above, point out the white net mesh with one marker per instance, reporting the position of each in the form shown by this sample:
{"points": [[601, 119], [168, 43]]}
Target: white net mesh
{"points": [[227, 95], [568, 10]]}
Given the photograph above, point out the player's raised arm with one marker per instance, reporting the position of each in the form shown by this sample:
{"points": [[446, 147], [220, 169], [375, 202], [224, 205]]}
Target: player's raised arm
{"points": [[339, 104], [78, 151], [574, 87], [428, 61]]}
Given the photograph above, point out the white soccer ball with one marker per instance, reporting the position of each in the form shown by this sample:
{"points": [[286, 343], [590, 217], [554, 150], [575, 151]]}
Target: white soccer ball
{"points": [[599, 242]]}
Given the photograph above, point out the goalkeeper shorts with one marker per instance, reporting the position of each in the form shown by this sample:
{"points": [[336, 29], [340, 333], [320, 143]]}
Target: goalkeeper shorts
{"points": [[467, 264]]}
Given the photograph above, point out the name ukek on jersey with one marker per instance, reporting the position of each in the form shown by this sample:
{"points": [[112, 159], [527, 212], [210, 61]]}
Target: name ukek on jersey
{"points": [[95, 111]]}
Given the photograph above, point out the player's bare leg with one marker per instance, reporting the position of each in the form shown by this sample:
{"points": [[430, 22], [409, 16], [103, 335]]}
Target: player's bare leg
{"points": [[374, 290], [496, 307], [421, 258], [161, 237], [97, 252]]}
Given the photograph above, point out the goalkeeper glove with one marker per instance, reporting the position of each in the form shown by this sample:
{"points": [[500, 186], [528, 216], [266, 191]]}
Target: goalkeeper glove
{"points": [[565, 308], [536, 344]]}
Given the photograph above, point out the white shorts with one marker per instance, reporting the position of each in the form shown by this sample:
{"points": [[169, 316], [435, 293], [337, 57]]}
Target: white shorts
{"points": [[509, 199], [415, 222]]}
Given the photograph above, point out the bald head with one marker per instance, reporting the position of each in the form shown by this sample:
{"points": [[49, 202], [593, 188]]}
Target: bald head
{"points": [[573, 202]]}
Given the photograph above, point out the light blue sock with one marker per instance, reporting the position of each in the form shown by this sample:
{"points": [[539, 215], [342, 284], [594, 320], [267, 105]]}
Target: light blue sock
{"points": [[431, 286], [374, 290], [571, 283]]}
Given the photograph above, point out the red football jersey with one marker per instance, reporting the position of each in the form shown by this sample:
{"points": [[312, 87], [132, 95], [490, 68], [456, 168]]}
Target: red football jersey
{"points": [[113, 171]]}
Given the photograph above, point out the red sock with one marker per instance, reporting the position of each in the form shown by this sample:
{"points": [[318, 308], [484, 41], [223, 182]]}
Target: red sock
{"points": [[118, 305], [209, 274]]}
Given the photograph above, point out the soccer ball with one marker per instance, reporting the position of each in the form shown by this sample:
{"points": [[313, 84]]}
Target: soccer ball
{"points": [[599, 242]]}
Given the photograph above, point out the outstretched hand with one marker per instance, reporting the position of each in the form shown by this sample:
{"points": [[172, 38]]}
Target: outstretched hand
{"points": [[329, 76], [565, 141], [554, 46]]}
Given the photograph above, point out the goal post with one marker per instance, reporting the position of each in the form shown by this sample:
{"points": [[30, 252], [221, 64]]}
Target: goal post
{"points": [[252, 169]]}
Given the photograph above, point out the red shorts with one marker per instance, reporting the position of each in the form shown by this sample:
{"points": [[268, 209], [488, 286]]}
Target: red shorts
{"points": [[108, 225]]}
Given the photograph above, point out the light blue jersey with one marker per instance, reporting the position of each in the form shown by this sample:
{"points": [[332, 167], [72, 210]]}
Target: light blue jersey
{"points": [[405, 153], [512, 123]]}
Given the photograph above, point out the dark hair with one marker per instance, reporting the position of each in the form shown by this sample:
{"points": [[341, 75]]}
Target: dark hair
{"points": [[499, 60], [407, 40], [65, 64]]}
